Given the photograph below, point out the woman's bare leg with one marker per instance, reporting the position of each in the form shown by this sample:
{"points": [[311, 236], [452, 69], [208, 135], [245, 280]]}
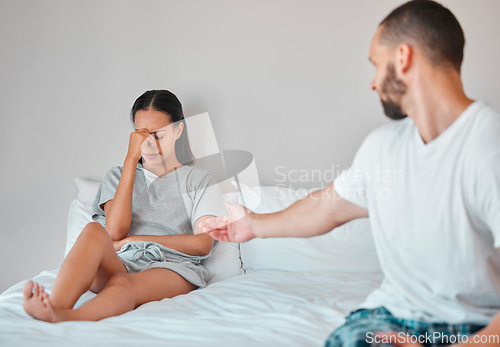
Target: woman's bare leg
{"points": [[89, 265], [91, 261], [124, 292]]}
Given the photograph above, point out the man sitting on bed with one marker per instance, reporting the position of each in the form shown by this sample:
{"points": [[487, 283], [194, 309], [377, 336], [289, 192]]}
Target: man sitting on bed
{"points": [[437, 230]]}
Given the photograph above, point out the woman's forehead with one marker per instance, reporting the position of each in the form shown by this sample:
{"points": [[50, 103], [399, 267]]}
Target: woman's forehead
{"points": [[152, 120]]}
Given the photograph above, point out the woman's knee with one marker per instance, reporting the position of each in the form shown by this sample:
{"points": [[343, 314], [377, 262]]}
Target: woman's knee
{"points": [[95, 231]]}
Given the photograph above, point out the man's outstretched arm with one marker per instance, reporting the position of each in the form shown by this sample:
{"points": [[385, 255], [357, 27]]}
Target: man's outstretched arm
{"points": [[316, 214]]}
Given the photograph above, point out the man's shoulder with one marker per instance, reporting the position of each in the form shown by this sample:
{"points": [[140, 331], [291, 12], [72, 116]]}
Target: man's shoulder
{"points": [[381, 140], [488, 119], [390, 132], [484, 135], [486, 108]]}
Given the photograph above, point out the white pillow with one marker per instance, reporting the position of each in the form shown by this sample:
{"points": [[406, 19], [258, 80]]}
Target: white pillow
{"points": [[87, 189], [80, 210], [78, 217], [224, 262], [349, 247]]}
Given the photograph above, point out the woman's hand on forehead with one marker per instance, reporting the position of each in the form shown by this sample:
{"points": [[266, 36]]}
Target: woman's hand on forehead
{"points": [[136, 139]]}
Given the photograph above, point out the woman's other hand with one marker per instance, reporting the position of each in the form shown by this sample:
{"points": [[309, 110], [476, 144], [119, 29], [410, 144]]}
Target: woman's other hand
{"points": [[118, 244]]}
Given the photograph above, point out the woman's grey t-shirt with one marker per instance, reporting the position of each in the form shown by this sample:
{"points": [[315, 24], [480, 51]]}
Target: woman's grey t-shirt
{"points": [[166, 206]]}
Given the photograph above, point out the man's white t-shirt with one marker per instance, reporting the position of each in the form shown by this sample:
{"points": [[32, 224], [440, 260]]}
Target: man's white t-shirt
{"points": [[435, 214]]}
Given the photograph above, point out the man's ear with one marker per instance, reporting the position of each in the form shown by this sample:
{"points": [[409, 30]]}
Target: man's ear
{"points": [[179, 129], [404, 58]]}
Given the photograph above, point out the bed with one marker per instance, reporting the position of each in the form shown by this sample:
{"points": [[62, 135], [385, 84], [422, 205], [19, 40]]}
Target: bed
{"points": [[274, 292]]}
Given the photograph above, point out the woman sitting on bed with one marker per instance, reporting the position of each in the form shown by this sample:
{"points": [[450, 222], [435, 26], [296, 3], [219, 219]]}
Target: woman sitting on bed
{"points": [[146, 243]]}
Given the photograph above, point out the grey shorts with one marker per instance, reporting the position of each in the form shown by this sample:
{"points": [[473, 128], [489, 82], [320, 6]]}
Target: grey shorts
{"points": [[138, 256]]}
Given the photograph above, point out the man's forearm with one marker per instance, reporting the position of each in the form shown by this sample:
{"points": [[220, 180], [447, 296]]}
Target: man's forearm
{"points": [[316, 214]]}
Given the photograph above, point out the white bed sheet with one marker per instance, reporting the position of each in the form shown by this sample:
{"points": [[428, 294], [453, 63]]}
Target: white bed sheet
{"points": [[255, 309]]}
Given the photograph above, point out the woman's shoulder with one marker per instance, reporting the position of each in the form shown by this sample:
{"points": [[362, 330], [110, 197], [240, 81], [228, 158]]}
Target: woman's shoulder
{"points": [[117, 170], [196, 176], [115, 173], [112, 176]]}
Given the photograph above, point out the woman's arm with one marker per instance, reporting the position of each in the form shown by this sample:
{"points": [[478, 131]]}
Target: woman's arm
{"points": [[118, 212], [197, 244]]}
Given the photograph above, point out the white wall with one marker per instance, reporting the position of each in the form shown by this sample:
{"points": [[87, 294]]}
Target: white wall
{"points": [[284, 79]]}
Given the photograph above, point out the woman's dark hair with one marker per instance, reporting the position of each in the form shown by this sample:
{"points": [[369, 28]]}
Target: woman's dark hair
{"points": [[166, 102], [429, 25]]}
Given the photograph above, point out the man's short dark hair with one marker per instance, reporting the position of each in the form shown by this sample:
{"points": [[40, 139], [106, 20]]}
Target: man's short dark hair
{"points": [[430, 26]]}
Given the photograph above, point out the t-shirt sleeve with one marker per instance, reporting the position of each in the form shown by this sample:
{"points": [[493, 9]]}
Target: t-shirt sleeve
{"points": [[352, 184], [206, 198], [106, 192], [488, 196]]}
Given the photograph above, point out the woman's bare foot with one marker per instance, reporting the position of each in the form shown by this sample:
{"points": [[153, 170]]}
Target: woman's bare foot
{"points": [[37, 304]]}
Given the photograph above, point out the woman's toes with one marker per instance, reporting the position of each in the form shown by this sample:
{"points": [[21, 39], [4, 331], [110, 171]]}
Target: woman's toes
{"points": [[28, 289]]}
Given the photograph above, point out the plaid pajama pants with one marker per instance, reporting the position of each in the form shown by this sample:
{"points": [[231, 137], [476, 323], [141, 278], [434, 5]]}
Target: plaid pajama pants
{"points": [[361, 327]]}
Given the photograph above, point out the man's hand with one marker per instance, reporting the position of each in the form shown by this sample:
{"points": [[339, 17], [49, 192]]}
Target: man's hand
{"points": [[238, 226]]}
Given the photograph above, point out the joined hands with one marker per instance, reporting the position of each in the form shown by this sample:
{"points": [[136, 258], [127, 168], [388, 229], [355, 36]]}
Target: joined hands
{"points": [[238, 226]]}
